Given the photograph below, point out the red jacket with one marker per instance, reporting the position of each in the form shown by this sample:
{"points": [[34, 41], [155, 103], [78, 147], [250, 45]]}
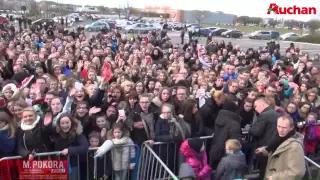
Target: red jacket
{"points": [[311, 137], [198, 163]]}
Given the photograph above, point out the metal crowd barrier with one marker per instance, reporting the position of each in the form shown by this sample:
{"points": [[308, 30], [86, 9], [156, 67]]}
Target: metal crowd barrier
{"points": [[151, 167], [151, 162], [112, 165]]}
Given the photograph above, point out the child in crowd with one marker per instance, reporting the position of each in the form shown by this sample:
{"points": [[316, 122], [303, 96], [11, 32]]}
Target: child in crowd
{"points": [[232, 166], [103, 164], [311, 132], [195, 155], [122, 151]]}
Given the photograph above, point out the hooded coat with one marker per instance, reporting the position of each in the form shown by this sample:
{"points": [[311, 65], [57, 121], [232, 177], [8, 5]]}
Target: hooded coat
{"points": [[198, 163], [75, 142], [232, 166], [287, 161], [227, 126]]}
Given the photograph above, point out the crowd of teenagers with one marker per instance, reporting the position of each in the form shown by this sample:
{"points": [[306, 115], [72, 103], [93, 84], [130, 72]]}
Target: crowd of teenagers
{"points": [[68, 92]]}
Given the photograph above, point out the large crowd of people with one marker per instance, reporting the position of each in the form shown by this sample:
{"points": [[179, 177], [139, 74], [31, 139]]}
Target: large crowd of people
{"points": [[67, 92]]}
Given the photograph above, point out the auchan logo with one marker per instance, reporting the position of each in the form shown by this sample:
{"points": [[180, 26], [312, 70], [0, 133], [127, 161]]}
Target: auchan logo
{"points": [[273, 7]]}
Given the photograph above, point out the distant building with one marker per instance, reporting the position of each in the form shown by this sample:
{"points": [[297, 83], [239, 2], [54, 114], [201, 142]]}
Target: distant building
{"points": [[89, 9], [14, 4], [211, 18]]}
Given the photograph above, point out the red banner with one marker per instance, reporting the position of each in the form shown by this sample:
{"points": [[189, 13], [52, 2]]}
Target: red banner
{"points": [[34, 170]]}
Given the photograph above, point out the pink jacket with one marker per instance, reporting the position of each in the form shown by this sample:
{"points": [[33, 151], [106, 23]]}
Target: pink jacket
{"points": [[199, 166]]}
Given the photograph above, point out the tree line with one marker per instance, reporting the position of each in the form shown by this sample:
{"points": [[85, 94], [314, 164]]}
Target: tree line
{"points": [[313, 25]]}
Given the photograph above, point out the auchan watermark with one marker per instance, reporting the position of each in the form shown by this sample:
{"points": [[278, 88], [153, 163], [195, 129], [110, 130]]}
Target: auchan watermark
{"points": [[273, 7]]}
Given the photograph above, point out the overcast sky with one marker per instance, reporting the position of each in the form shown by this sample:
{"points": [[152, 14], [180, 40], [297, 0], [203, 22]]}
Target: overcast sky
{"points": [[239, 7]]}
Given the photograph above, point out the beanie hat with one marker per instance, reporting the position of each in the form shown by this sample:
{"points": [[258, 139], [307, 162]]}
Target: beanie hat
{"points": [[195, 144], [230, 106]]}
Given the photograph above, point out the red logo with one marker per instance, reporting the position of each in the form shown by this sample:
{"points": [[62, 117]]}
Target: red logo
{"points": [[273, 7]]}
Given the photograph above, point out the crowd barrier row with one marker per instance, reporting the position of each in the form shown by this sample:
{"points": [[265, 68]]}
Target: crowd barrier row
{"points": [[159, 161]]}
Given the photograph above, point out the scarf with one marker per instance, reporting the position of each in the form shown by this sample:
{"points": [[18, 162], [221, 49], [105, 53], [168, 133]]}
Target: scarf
{"points": [[27, 127], [275, 142]]}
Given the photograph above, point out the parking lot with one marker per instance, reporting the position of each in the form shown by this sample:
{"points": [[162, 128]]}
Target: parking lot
{"points": [[244, 42]]}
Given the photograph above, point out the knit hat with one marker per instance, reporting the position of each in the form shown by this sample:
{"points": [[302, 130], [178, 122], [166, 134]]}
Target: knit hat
{"points": [[230, 106], [195, 144]]}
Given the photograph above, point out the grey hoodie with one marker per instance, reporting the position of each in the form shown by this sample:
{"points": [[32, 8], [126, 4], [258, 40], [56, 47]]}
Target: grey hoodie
{"points": [[186, 171]]}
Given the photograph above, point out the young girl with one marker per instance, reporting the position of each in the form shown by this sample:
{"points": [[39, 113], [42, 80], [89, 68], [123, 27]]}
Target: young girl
{"points": [[195, 155], [311, 132], [123, 150]]}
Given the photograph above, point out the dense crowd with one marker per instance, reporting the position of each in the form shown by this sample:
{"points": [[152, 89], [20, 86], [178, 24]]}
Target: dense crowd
{"points": [[67, 92]]}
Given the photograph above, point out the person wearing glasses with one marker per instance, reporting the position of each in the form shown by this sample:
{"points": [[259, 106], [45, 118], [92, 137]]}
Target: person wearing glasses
{"points": [[141, 120]]}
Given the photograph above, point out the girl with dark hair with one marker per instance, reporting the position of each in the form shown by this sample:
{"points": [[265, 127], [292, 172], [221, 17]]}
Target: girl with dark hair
{"points": [[70, 141], [192, 117]]}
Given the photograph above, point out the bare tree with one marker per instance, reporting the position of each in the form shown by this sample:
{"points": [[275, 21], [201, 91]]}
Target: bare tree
{"points": [[273, 22], [313, 25], [244, 20], [34, 9]]}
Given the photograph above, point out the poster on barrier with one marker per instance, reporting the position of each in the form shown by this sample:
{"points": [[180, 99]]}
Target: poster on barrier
{"points": [[35, 170]]}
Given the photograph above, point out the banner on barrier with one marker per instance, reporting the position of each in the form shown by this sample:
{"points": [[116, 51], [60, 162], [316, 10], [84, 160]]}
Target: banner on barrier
{"points": [[35, 169]]}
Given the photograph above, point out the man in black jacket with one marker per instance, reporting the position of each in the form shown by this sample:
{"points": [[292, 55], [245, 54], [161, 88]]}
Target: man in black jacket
{"points": [[227, 126], [264, 128]]}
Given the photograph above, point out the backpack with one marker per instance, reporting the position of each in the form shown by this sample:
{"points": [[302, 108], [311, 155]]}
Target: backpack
{"points": [[179, 130]]}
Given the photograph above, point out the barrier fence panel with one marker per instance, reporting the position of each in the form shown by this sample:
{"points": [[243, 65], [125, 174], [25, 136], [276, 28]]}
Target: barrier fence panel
{"points": [[151, 167], [158, 161], [313, 169], [121, 162]]}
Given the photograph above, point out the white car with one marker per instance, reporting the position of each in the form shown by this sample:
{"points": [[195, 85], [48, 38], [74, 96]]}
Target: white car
{"points": [[139, 28], [288, 35], [154, 26]]}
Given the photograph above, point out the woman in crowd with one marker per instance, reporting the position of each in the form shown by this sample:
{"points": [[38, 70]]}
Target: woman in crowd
{"points": [[69, 139], [7, 134], [33, 135]]}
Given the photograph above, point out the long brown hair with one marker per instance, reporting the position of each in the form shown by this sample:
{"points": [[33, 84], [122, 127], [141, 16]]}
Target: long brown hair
{"points": [[71, 135], [11, 124]]}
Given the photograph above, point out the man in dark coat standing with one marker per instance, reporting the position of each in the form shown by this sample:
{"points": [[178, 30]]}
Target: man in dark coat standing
{"points": [[264, 128], [227, 126]]}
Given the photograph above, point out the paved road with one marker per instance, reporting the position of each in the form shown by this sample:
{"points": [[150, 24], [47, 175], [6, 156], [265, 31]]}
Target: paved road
{"points": [[246, 43]]}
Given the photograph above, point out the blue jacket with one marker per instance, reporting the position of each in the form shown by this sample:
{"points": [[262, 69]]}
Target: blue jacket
{"points": [[66, 71], [7, 145], [162, 130], [114, 46], [227, 76]]}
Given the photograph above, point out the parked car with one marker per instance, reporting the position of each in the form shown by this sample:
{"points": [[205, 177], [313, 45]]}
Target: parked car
{"points": [[266, 35], [288, 35], [194, 28], [212, 28], [205, 32], [139, 28], [275, 34], [112, 24], [4, 20], [218, 31], [97, 26], [232, 34], [43, 22], [154, 26]]}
